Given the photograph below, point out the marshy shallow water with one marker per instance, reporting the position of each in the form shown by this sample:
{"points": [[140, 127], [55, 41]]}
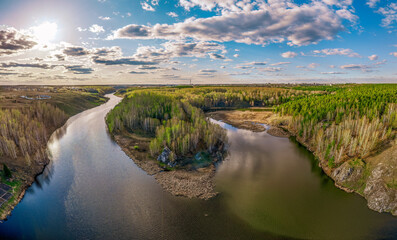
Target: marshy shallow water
{"points": [[271, 188]]}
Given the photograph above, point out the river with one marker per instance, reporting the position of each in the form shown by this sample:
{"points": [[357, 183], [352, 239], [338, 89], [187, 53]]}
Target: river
{"points": [[271, 188]]}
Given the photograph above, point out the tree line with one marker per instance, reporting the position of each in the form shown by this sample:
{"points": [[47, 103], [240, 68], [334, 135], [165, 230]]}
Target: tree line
{"points": [[350, 122], [23, 132], [169, 120]]}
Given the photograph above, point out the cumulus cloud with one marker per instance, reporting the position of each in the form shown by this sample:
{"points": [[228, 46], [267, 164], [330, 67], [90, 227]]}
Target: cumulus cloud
{"points": [[362, 67], [389, 13], [95, 28], [78, 69], [12, 41], [393, 54], [372, 3], [256, 63], [272, 21], [313, 65], [134, 72], [336, 51], [289, 54], [104, 18], [208, 71], [147, 7], [236, 55], [27, 65], [121, 61], [76, 51], [172, 14], [333, 73], [271, 69], [280, 63], [216, 56], [373, 57]]}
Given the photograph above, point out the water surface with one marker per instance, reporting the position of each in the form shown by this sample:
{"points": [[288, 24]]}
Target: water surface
{"points": [[271, 188]]}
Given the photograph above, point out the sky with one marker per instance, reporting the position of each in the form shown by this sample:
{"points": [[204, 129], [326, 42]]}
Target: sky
{"points": [[197, 41]]}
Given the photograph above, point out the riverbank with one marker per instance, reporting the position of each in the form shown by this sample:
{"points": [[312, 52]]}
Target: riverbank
{"points": [[24, 172], [179, 182], [250, 120], [373, 178]]}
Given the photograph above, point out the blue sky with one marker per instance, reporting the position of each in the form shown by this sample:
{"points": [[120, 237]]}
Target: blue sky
{"points": [[206, 41]]}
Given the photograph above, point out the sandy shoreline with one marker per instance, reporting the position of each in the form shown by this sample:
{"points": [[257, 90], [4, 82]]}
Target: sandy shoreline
{"points": [[250, 120]]}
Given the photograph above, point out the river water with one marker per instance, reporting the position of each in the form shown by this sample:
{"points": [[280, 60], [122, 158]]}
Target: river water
{"points": [[271, 188]]}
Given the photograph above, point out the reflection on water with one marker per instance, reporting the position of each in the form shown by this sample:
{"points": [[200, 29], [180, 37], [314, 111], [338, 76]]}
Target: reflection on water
{"points": [[271, 189]]}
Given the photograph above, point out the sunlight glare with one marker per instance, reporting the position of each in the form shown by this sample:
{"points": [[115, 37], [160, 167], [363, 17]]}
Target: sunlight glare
{"points": [[45, 32]]}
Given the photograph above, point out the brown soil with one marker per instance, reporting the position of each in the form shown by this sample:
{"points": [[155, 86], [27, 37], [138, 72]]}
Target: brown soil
{"points": [[188, 183], [251, 120]]}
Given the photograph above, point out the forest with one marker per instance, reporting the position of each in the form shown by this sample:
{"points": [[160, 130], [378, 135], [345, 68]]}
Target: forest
{"points": [[26, 125], [348, 122], [174, 116], [339, 122], [23, 132], [170, 121]]}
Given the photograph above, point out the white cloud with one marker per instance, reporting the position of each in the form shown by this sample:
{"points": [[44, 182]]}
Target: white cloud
{"points": [[271, 69], [146, 6], [272, 21], [389, 13], [393, 54], [236, 55], [172, 14], [95, 28], [372, 3], [337, 51], [373, 57], [362, 67], [313, 65], [280, 63], [104, 18], [333, 73], [289, 54]]}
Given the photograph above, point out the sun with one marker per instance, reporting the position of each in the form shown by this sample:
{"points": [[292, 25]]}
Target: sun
{"points": [[45, 32]]}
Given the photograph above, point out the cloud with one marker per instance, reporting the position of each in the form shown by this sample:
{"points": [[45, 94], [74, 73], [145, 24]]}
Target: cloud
{"points": [[134, 72], [60, 57], [208, 71], [280, 63], [256, 63], [362, 67], [289, 54], [273, 21], [333, 73], [372, 3], [271, 69], [95, 28], [121, 61], [78, 69], [390, 15], [313, 65], [373, 57], [236, 55], [337, 51], [147, 7], [12, 41], [393, 54], [172, 14], [27, 65], [148, 68], [76, 51], [216, 56], [104, 18]]}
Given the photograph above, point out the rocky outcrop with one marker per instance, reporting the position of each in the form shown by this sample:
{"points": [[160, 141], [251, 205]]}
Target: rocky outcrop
{"points": [[167, 157], [380, 197]]}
